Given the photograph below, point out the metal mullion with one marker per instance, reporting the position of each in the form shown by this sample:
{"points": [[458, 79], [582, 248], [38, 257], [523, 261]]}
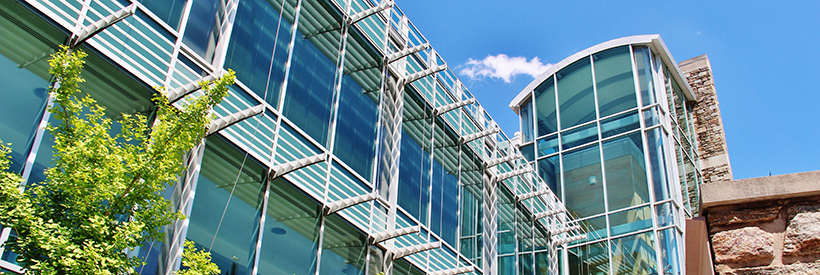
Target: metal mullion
{"points": [[601, 155]]}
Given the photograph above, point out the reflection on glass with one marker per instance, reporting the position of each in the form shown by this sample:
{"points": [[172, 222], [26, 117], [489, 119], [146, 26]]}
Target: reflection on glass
{"points": [[651, 117], [258, 48], [620, 124], [625, 171], [665, 214], [344, 248], [642, 60], [542, 263], [596, 229], [590, 259], [575, 99], [230, 240], [634, 254], [506, 265], [613, 77], [545, 106], [669, 251], [527, 151], [579, 136], [549, 169], [414, 178], [291, 234], [547, 145], [25, 96], [630, 220], [506, 223], [443, 220], [526, 122], [657, 162], [583, 184], [525, 264], [356, 128], [169, 11], [202, 34]]}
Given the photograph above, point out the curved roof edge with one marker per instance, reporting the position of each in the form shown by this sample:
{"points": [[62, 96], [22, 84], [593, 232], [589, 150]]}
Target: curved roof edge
{"points": [[653, 40]]}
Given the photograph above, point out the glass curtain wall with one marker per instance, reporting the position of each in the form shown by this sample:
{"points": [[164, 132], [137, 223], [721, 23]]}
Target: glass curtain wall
{"points": [[601, 141]]}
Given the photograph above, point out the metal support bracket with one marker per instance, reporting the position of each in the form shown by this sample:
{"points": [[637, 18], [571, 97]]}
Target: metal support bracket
{"points": [[452, 106], [87, 32], [353, 19], [226, 121], [565, 229], [336, 206], [454, 271], [393, 57], [410, 250], [179, 93], [542, 215], [419, 75], [530, 195], [496, 162], [284, 168], [467, 138], [560, 241], [387, 235], [507, 175]]}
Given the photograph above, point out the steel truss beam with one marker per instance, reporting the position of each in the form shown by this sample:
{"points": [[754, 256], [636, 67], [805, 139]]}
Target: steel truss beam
{"points": [[284, 168], [530, 195], [179, 93], [454, 271], [410, 250], [387, 235], [565, 229], [87, 32], [226, 121], [452, 106], [467, 138], [541, 215], [333, 207], [393, 57], [498, 161], [419, 75], [507, 175], [560, 241], [353, 19]]}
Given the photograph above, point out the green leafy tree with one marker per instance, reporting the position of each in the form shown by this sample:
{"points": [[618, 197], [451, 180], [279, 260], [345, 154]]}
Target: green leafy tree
{"points": [[104, 193]]}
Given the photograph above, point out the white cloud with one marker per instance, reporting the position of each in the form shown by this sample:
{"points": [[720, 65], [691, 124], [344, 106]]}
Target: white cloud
{"points": [[503, 67]]}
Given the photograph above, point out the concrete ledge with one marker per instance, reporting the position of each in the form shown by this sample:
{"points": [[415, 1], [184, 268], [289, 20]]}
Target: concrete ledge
{"points": [[760, 189]]}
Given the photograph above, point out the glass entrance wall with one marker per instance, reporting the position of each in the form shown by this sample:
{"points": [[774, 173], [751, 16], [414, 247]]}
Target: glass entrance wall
{"points": [[612, 136]]}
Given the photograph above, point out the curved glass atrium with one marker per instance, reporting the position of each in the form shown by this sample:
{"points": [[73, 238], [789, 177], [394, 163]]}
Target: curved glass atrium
{"points": [[609, 130]]}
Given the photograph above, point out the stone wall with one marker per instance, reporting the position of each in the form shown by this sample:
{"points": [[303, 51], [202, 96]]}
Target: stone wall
{"points": [[767, 225], [714, 155]]}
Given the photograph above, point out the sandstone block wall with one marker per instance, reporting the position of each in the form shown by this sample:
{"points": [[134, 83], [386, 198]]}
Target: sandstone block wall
{"points": [[711, 139], [769, 225]]}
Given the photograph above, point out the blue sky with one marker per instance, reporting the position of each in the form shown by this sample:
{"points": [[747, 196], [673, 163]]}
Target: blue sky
{"points": [[765, 59]]}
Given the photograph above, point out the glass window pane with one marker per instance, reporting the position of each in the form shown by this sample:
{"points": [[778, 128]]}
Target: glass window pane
{"points": [[579, 136], [583, 185], [525, 264], [258, 48], [506, 223], [665, 214], [657, 162], [344, 248], [356, 128], [203, 31], [634, 254], [545, 106], [169, 11], [549, 169], [591, 259], [506, 265], [542, 263], [642, 61], [547, 145], [310, 89], [613, 77], [527, 151], [24, 95], [596, 229], [291, 235], [652, 117], [669, 251], [575, 98], [225, 184], [414, 178], [620, 124], [625, 171], [630, 220], [526, 122]]}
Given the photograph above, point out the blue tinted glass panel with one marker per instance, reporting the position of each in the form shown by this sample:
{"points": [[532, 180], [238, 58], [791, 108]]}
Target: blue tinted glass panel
{"points": [[231, 239], [289, 245], [669, 251], [549, 169], [310, 89], [657, 163], [356, 128], [542, 263], [258, 48], [527, 151], [579, 136], [547, 145], [583, 184], [547, 116], [525, 264], [24, 97], [526, 122], [575, 96], [665, 215], [620, 124], [625, 171], [344, 248], [169, 11], [630, 220], [414, 178], [202, 33], [591, 259], [506, 265], [613, 77], [634, 254], [642, 61]]}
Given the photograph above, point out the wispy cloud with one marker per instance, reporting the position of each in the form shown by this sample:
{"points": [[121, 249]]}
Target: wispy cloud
{"points": [[503, 67]]}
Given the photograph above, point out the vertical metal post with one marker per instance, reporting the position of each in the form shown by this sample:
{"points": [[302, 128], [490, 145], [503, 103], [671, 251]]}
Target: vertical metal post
{"points": [[180, 227], [490, 226]]}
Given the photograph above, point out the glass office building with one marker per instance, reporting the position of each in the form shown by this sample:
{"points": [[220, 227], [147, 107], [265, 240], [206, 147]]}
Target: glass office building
{"points": [[368, 154], [610, 131]]}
